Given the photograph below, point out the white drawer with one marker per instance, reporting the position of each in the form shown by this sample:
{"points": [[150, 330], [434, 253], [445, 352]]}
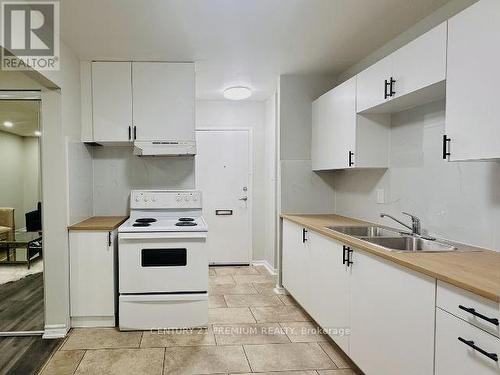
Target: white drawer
{"points": [[469, 307], [455, 357]]}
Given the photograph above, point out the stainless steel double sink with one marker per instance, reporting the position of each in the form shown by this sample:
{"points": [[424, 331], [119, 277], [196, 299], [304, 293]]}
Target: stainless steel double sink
{"points": [[393, 240]]}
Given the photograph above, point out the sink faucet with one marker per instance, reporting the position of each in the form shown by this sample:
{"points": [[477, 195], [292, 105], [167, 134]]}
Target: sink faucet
{"points": [[415, 223]]}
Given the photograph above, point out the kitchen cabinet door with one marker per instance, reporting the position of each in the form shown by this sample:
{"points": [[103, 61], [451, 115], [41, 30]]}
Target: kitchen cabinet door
{"points": [[329, 285], [392, 318], [112, 101], [334, 128], [420, 63], [456, 357], [472, 116], [92, 278], [164, 101], [371, 84], [295, 262]]}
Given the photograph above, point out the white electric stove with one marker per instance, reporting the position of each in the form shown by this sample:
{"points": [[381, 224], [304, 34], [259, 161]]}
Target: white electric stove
{"points": [[163, 262]]}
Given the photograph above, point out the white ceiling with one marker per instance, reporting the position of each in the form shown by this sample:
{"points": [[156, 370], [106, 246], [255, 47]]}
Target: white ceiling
{"points": [[239, 42], [22, 113]]}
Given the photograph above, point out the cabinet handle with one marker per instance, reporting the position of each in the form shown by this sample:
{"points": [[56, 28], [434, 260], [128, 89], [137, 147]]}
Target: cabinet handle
{"points": [[129, 133], [470, 343], [135, 132], [386, 85], [446, 142], [346, 256], [109, 239], [344, 259], [392, 92], [304, 231], [472, 311], [349, 252], [351, 154]]}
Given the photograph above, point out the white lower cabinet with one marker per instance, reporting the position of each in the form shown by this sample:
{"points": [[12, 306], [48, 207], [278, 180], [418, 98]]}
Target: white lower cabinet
{"points": [[295, 262], [392, 318], [93, 278], [463, 349], [329, 290]]}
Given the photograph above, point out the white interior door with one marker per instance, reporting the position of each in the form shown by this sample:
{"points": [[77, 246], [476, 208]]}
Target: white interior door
{"points": [[224, 175]]}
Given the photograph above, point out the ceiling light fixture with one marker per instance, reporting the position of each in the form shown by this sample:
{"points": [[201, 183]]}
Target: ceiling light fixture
{"points": [[8, 124], [237, 93], [38, 133]]}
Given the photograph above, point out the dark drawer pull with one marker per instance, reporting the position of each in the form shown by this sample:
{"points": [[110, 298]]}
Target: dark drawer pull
{"points": [[223, 212], [304, 239], [472, 311], [470, 343]]}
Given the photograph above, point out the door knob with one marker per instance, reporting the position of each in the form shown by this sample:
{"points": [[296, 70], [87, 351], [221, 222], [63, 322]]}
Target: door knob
{"points": [[243, 199]]}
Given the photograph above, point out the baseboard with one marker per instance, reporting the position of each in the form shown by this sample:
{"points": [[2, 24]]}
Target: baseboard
{"points": [[55, 331], [265, 263]]}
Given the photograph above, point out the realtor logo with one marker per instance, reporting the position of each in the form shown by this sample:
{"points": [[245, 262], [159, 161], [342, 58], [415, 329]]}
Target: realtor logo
{"points": [[30, 35]]}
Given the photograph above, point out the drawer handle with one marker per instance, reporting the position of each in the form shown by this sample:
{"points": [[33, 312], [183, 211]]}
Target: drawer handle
{"points": [[470, 343], [304, 238], [472, 311]]}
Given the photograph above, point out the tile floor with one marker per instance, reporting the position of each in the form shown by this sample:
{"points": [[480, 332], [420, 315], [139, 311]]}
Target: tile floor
{"points": [[252, 330]]}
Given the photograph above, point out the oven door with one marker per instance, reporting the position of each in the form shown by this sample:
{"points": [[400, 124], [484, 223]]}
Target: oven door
{"points": [[162, 262]]}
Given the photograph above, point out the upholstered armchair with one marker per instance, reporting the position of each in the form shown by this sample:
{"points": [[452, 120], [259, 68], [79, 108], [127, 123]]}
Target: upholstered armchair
{"points": [[7, 226]]}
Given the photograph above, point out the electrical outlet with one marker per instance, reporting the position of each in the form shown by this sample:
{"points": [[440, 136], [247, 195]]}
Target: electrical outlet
{"points": [[380, 196]]}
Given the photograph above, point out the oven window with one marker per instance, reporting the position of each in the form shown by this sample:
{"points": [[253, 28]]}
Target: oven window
{"points": [[164, 257]]}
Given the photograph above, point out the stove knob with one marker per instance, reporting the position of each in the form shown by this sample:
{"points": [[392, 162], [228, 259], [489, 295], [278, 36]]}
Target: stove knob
{"points": [[186, 198], [146, 199], [137, 199], [178, 198], [195, 198]]}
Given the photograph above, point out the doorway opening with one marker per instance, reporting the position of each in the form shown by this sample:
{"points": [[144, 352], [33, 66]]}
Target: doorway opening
{"points": [[21, 243]]}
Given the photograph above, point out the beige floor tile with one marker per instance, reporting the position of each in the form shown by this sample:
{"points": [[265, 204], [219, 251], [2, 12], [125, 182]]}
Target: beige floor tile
{"points": [[211, 272], [122, 361], [63, 362], [337, 372], [262, 270], [308, 372], [303, 332], [287, 300], [216, 301], [220, 280], [252, 300], [101, 338], [230, 315], [231, 289], [239, 334], [191, 337], [236, 270], [246, 279], [265, 288], [279, 314], [205, 360], [281, 357], [335, 355]]}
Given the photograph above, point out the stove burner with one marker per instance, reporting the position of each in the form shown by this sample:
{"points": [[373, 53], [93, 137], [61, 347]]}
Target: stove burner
{"points": [[186, 219], [146, 220], [141, 224], [185, 224]]}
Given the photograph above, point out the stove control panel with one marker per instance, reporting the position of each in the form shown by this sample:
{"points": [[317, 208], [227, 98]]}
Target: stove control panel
{"points": [[165, 199]]}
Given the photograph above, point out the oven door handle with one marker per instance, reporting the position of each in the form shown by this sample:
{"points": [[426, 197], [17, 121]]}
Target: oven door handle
{"points": [[163, 297], [162, 235]]}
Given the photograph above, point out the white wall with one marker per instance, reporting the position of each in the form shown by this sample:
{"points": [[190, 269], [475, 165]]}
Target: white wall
{"points": [[246, 114], [458, 201], [301, 190], [270, 167]]}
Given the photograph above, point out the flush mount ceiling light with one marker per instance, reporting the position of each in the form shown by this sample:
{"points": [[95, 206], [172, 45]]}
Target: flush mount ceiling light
{"points": [[237, 93], [8, 124], [38, 133]]}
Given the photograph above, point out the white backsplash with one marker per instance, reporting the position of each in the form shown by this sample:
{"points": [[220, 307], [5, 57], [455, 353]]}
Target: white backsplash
{"points": [[455, 200]]}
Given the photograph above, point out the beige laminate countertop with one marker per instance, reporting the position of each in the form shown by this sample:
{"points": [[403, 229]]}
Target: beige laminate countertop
{"points": [[477, 272], [104, 223]]}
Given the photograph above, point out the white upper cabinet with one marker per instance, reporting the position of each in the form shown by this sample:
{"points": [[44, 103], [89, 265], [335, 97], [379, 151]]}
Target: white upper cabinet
{"points": [[163, 101], [112, 101], [374, 84], [411, 76], [341, 139], [473, 79], [420, 63]]}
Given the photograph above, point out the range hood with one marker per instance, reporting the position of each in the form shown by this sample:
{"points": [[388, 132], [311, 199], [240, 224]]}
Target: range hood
{"points": [[164, 148]]}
